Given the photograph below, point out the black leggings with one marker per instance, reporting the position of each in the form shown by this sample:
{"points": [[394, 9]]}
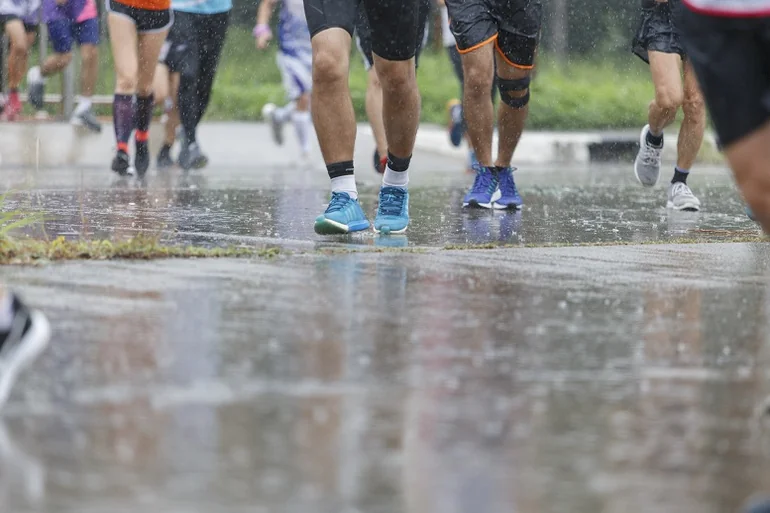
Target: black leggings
{"points": [[204, 35]]}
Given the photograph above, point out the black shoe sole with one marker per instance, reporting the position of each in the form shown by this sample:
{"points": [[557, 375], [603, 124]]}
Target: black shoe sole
{"points": [[120, 166]]}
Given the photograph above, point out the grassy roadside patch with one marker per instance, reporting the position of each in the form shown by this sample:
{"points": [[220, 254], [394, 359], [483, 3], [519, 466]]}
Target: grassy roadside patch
{"points": [[30, 251], [34, 252]]}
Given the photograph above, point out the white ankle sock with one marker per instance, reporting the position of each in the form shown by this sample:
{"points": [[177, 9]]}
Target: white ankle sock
{"points": [[302, 125], [346, 183], [395, 178]]}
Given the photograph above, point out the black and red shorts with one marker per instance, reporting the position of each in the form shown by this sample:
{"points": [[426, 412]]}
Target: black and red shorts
{"points": [[513, 25], [731, 57]]}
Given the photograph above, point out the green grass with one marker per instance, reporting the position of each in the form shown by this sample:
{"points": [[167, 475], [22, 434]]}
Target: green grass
{"points": [[592, 94], [30, 251], [579, 95], [24, 250]]}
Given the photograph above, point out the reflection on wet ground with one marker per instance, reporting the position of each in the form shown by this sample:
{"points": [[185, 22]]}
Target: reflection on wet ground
{"points": [[601, 204], [536, 380]]}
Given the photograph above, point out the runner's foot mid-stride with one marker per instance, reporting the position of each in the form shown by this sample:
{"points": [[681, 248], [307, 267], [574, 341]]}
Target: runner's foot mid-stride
{"points": [[658, 42], [394, 45]]}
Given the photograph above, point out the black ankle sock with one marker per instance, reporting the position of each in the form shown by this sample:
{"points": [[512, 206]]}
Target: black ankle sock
{"points": [[338, 169], [398, 163], [679, 176], [655, 140]]}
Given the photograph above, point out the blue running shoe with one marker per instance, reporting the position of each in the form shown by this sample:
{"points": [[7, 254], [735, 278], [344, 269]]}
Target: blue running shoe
{"points": [[456, 124], [393, 210], [386, 241], [484, 186], [509, 195], [750, 214], [343, 215]]}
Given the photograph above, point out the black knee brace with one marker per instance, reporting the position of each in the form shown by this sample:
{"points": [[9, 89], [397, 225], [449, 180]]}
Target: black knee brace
{"points": [[520, 84]]}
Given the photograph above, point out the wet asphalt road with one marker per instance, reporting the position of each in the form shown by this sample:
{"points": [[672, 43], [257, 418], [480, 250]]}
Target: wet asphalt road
{"points": [[581, 379]]}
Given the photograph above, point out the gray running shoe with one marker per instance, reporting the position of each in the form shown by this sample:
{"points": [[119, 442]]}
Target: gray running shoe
{"points": [[20, 344], [35, 88], [88, 120], [680, 197], [268, 114], [647, 163], [191, 157]]}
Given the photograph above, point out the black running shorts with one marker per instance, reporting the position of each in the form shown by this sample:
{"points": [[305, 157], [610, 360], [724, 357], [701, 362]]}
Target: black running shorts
{"points": [[173, 52], [5, 18], [513, 25], [658, 30], [731, 58], [394, 22], [146, 21], [364, 32]]}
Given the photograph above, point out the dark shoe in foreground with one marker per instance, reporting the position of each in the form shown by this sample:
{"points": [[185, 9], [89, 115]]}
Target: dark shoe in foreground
{"points": [[19, 346]]}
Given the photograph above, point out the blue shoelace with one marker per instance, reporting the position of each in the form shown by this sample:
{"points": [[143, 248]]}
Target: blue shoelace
{"points": [[484, 182], [507, 185], [392, 201], [338, 202]]}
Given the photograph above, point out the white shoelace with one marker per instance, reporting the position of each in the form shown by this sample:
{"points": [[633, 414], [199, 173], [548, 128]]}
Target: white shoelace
{"points": [[651, 155], [681, 189]]}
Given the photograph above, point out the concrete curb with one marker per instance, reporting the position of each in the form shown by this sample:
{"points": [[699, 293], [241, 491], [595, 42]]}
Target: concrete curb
{"points": [[540, 147], [51, 144]]}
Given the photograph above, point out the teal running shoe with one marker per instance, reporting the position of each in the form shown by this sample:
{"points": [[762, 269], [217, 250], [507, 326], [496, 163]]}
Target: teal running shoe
{"points": [[343, 215], [393, 210]]}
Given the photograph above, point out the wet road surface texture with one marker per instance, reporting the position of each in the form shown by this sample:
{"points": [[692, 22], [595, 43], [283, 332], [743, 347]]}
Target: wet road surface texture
{"points": [[552, 379]]}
